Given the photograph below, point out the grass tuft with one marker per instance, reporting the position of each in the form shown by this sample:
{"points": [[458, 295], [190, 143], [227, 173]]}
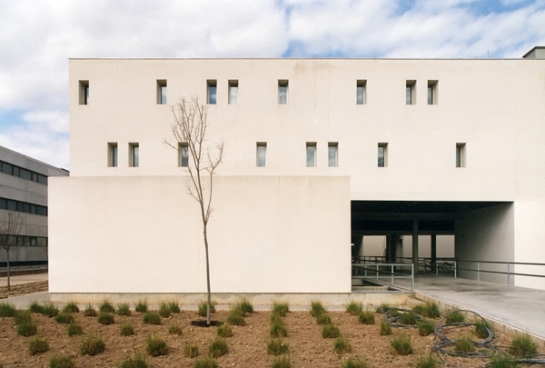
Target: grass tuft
{"points": [[225, 330], [282, 362], [203, 308], [402, 344], [426, 327], [156, 346], [245, 305], [175, 330], [342, 346], [316, 308], [126, 329], [191, 350], [235, 318], [206, 362], [174, 306], [27, 329], [426, 362], [278, 328], [138, 361], [7, 310], [482, 328], [92, 345], [330, 332], [503, 362], [74, 329], [455, 317], [71, 307], [62, 361], [106, 307], [90, 311], [354, 308], [22, 317], [35, 307], [277, 347], [105, 318], [385, 328], [38, 345], [523, 346], [50, 310], [420, 309], [464, 345], [354, 362], [432, 310], [280, 308], [141, 306], [152, 318], [218, 347], [367, 318], [408, 318], [64, 318], [164, 310], [124, 309], [324, 319]]}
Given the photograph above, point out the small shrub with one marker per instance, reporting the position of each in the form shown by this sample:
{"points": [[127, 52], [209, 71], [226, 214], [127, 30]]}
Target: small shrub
{"points": [[482, 328], [141, 306], [35, 307], [455, 317], [105, 318], [330, 332], [64, 318], [426, 327], [74, 329], [137, 361], [419, 309], [432, 310], [62, 361], [90, 311], [22, 317], [236, 319], [124, 309], [354, 363], [218, 347], [342, 346], [50, 310], [71, 307], [191, 350], [408, 318], [38, 345], [316, 309], [225, 330], [523, 345], [203, 308], [156, 346], [92, 345], [206, 362], [245, 305], [426, 362], [277, 347], [464, 345], [385, 328], [354, 308], [367, 318], [106, 307], [402, 344], [278, 329], [503, 362], [126, 329], [164, 310], [174, 330], [152, 318], [27, 329], [280, 308], [7, 310], [324, 319], [174, 306], [282, 362]]}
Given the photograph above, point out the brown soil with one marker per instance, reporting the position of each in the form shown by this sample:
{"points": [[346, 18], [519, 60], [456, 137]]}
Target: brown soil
{"points": [[247, 348]]}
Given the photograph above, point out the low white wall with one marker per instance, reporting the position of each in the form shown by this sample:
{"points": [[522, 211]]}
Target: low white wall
{"points": [[144, 235]]}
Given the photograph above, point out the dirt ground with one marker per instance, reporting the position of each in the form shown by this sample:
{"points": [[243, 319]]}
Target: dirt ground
{"points": [[247, 348]]}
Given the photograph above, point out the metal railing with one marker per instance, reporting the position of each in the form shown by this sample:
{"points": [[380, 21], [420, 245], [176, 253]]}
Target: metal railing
{"points": [[381, 271], [509, 269]]}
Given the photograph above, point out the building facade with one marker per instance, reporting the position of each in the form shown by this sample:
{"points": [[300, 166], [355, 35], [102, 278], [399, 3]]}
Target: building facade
{"points": [[319, 154], [23, 191]]}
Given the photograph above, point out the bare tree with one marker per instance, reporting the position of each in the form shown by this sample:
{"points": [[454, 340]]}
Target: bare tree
{"points": [[189, 130], [8, 235]]}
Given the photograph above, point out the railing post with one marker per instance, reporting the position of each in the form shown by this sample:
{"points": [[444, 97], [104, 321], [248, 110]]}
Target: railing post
{"points": [[455, 268], [508, 273], [392, 273], [478, 270], [376, 272], [412, 276]]}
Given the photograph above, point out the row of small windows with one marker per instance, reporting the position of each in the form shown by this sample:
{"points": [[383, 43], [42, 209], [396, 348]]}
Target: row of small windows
{"points": [[283, 89], [18, 206], [23, 240], [261, 154], [22, 173]]}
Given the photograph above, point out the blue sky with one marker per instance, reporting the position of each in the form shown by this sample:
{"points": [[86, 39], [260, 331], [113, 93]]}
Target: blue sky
{"points": [[38, 36]]}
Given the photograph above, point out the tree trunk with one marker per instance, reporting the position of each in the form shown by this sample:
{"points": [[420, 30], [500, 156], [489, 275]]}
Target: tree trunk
{"points": [[7, 258], [209, 299]]}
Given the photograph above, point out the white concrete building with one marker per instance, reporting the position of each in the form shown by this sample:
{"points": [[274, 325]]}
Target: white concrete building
{"points": [[320, 152], [23, 190]]}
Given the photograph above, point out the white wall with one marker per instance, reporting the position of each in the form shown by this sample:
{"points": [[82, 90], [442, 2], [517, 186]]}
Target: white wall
{"points": [[143, 234]]}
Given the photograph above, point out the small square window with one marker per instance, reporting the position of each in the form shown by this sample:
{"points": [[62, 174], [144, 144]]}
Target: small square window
{"points": [[410, 91], [382, 154], [282, 92], [211, 88], [134, 155], [432, 92], [311, 154], [360, 92], [183, 153], [112, 154], [83, 92], [161, 92], [261, 154], [460, 155], [233, 92], [332, 154]]}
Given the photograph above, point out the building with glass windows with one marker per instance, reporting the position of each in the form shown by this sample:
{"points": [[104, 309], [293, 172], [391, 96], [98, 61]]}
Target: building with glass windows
{"points": [[23, 190], [320, 154]]}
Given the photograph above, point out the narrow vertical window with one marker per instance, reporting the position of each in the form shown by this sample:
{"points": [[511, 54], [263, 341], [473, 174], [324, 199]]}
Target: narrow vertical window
{"points": [[410, 92], [282, 92], [211, 91], [233, 92], [360, 92], [382, 154], [311, 154], [161, 92], [460, 155], [134, 155], [183, 153], [83, 92], [332, 154], [112, 154], [432, 92], [261, 154]]}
